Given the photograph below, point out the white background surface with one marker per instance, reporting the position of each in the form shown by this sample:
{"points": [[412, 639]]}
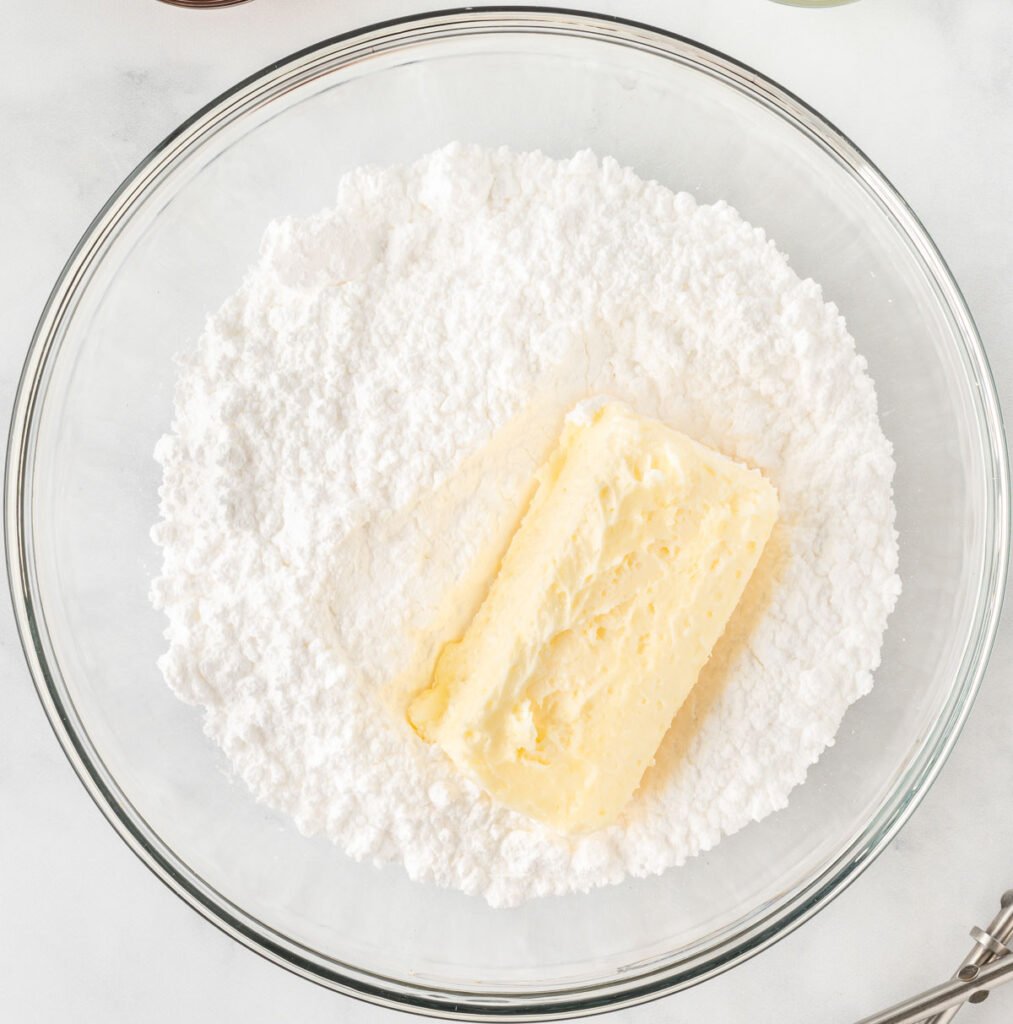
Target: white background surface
{"points": [[87, 87]]}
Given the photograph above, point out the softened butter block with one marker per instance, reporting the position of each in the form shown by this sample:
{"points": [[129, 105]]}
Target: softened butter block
{"points": [[621, 577]]}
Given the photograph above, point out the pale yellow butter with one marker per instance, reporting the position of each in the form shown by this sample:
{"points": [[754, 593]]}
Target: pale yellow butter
{"points": [[634, 552]]}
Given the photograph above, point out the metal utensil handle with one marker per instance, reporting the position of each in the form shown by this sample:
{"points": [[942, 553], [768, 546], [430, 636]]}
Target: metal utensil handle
{"points": [[949, 994], [989, 944]]}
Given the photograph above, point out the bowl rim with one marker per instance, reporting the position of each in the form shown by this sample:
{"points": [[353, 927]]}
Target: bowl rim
{"points": [[765, 925]]}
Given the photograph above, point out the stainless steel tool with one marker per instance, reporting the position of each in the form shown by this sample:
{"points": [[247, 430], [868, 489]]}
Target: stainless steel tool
{"points": [[987, 966]]}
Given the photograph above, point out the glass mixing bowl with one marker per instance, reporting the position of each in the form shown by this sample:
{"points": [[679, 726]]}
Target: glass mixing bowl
{"points": [[97, 393]]}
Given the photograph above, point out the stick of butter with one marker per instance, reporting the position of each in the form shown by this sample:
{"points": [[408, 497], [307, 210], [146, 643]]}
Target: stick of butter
{"points": [[620, 579]]}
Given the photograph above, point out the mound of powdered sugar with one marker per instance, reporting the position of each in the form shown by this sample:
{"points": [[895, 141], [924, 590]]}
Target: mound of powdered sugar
{"points": [[355, 436]]}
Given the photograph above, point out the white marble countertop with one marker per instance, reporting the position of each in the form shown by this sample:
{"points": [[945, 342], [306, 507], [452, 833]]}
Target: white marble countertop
{"points": [[86, 89]]}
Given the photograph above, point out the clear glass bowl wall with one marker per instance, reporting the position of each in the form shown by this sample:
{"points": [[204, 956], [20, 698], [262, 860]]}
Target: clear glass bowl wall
{"points": [[97, 394]]}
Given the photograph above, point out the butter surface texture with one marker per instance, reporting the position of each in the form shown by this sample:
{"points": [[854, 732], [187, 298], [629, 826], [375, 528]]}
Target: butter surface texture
{"points": [[620, 579]]}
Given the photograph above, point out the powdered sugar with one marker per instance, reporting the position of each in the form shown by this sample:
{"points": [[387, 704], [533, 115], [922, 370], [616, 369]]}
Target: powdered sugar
{"points": [[357, 430]]}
